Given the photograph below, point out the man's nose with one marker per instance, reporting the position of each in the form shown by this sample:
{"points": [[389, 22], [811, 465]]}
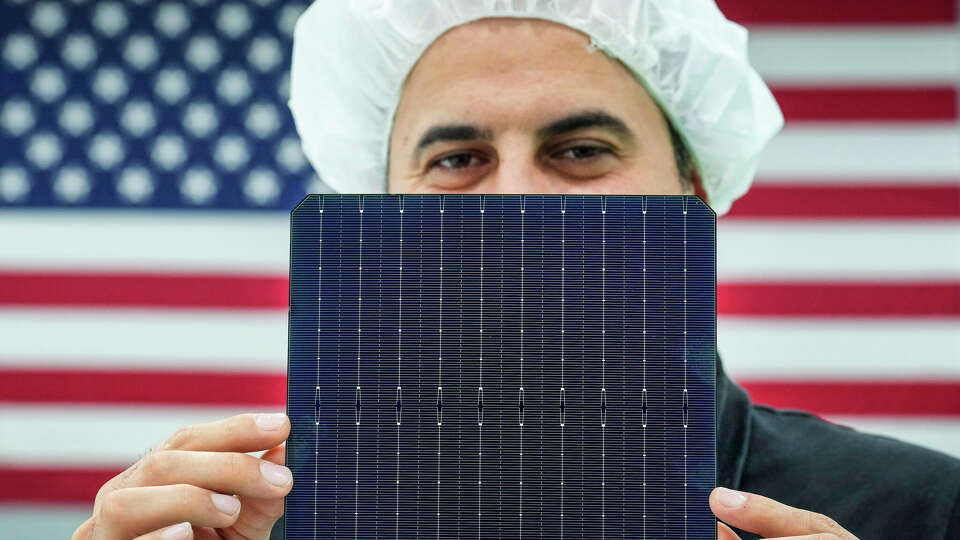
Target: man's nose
{"points": [[520, 173]]}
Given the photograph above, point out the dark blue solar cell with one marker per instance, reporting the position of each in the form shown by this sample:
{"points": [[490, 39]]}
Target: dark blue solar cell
{"points": [[552, 358]]}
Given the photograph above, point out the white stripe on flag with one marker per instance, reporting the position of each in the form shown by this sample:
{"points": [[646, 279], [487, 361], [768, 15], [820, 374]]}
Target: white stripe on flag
{"points": [[42, 520], [139, 339], [836, 152], [839, 349], [860, 180], [813, 55], [836, 250], [746, 249], [751, 348], [160, 241], [93, 436]]}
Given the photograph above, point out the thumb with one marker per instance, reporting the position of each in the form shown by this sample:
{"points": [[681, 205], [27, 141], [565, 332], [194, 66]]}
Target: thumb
{"points": [[257, 516]]}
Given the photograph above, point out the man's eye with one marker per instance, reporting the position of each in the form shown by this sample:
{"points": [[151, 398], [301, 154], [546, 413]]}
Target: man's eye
{"points": [[582, 152], [457, 161]]}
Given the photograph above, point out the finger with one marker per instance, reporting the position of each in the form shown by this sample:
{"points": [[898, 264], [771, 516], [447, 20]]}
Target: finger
{"points": [[223, 472], [180, 531], [818, 536], [206, 533], [725, 533], [768, 518], [84, 531], [126, 513], [240, 433], [258, 515]]}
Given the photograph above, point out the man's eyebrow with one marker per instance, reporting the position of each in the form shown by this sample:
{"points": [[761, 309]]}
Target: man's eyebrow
{"points": [[444, 133], [584, 120]]}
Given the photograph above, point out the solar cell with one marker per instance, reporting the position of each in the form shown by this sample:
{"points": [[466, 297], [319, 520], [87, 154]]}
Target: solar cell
{"points": [[513, 366]]}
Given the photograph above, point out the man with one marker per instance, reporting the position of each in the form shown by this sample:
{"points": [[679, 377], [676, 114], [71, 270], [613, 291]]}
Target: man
{"points": [[450, 97]]}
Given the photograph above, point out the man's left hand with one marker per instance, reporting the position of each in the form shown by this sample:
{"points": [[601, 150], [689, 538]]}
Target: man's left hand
{"points": [[770, 519]]}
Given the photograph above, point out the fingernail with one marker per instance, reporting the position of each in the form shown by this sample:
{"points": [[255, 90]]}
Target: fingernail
{"points": [[270, 422], [225, 503], [177, 532], [730, 498], [277, 475]]}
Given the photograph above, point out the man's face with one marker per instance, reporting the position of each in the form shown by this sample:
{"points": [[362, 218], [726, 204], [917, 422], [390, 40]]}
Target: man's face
{"points": [[522, 106]]}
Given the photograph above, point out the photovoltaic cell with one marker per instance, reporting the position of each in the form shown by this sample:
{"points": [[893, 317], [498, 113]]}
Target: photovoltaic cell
{"points": [[538, 366]]}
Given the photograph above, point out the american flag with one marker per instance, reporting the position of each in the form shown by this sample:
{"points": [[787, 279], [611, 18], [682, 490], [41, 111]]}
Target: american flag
{"points": [[148, 163]]}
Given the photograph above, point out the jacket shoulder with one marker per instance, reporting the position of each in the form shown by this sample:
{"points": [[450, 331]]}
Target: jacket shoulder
{"points": [[873, 485]]}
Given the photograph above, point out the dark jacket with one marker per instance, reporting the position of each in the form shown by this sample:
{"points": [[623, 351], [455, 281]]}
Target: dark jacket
{"points": [[876, 487]]}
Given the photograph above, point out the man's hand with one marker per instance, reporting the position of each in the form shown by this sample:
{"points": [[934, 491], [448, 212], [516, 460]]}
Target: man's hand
{"points": [[192, 479], [770, 519]]}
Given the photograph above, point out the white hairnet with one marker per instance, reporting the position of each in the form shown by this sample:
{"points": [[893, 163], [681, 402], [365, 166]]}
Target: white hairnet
{"points": [[350, 58]]}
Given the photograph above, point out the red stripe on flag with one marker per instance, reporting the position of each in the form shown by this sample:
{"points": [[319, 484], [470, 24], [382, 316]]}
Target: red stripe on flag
{"points": [[840, 12], [824, 299], [850, 201], [142, 387], [893, 398], [833, 299], [143, 290], [52, 484], [145, 388], [868, 104]]}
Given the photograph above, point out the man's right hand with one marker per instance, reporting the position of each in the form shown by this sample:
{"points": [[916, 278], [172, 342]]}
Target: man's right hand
{"points": [[185, 488]]}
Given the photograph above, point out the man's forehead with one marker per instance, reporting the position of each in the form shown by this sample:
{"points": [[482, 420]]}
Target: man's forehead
{"points": [[513, 72], [502, 45]]}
